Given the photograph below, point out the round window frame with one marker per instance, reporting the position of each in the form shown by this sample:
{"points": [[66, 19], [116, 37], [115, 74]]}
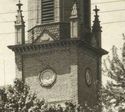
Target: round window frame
{"points": [[90, 76], [49, 84]]}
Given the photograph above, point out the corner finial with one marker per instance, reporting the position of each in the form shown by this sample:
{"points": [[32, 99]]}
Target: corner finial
{"points": [[96, 10], [96, 25], [19, 5]]}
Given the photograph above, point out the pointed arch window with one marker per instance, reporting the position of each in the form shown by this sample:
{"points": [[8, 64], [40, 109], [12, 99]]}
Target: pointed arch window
{"points": [[47, 11]]}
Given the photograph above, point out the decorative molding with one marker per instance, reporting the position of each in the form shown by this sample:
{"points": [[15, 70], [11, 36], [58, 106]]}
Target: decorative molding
{"points": [[54, 44], [57, 30], [47, 32], [47, 81]]}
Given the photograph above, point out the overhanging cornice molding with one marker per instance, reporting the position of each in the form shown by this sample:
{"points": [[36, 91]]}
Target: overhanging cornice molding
{"points": [[53, 44]]}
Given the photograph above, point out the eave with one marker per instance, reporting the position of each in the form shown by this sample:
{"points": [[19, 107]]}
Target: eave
{"points": [[58, 43]]}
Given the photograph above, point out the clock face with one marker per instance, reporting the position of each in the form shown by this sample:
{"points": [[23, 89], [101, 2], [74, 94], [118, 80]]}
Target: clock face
{"points": [[47, 77], [88, 76]]}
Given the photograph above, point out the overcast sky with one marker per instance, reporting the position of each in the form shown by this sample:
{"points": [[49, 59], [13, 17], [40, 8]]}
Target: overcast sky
{"points": [[112, 17]]}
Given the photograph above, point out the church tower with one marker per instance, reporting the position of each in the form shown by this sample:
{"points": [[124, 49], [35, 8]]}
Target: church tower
{"points": [[62, 61]]}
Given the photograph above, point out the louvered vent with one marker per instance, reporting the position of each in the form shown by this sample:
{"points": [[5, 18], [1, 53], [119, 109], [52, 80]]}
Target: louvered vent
{"points": [[47, 11]]}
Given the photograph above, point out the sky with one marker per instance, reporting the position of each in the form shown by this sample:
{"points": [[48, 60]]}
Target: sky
{"points": [[112, 17]]}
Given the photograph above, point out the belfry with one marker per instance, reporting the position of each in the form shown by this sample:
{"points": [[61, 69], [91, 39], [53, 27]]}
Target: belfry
{"points": [[62, 59]]}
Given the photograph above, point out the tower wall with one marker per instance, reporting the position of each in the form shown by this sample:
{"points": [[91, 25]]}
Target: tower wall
{"points": [[65, 86], [62, 11], [87, 94], [32, 13], [70, 64]]}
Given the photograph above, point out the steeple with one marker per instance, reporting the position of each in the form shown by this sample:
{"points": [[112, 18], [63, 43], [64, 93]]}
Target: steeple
{"points": [[19, 25], [96, 30]]}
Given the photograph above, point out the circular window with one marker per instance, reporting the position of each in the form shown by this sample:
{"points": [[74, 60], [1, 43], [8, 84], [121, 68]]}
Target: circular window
{"points": [[47, 77], [88, 76]]}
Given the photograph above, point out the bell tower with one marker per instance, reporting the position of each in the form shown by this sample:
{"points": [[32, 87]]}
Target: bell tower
{"points": [[62, 61]]}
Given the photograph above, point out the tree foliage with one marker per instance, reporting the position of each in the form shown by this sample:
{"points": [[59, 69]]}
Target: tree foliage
{"points": [[18, 98], [113, 94]]}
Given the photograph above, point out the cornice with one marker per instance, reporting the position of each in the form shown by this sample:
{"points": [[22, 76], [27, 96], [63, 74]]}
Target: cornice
{"points": [[47, 24], [53, 44]]}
